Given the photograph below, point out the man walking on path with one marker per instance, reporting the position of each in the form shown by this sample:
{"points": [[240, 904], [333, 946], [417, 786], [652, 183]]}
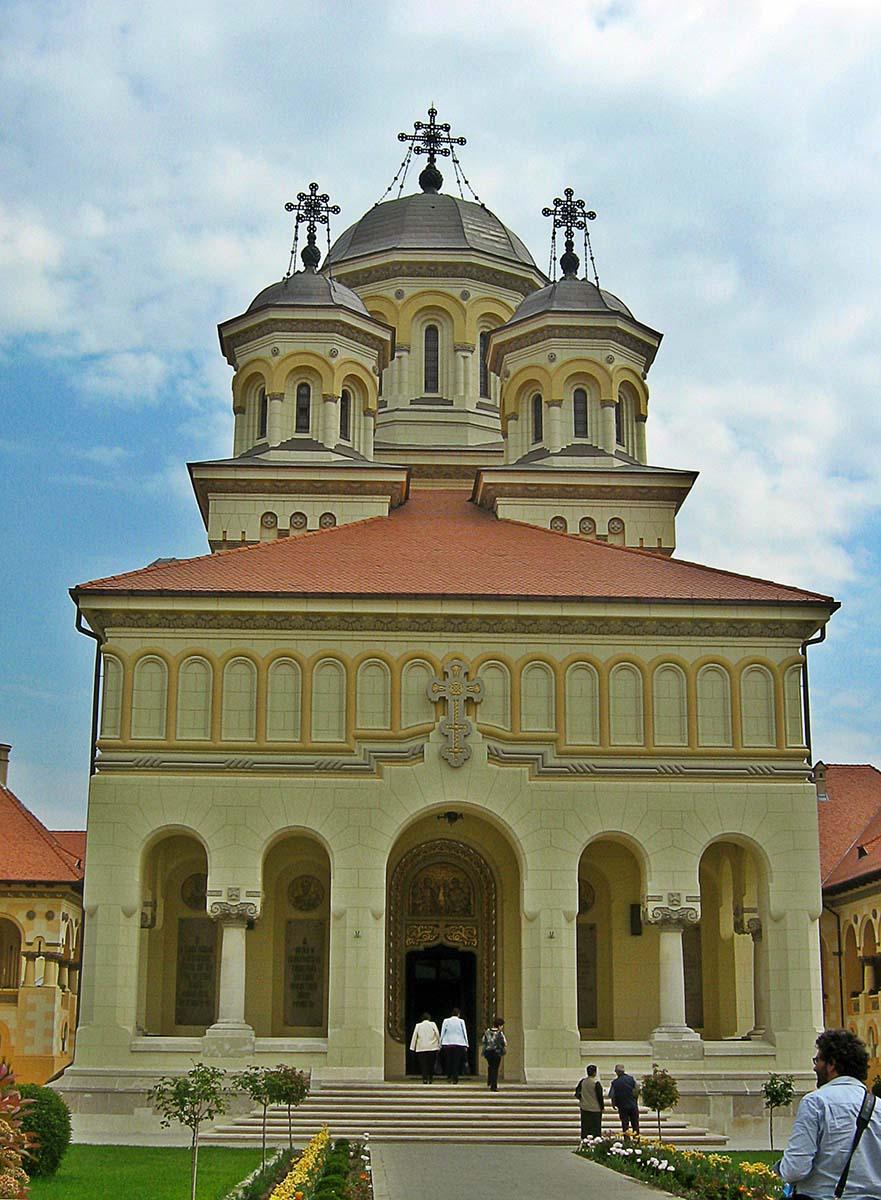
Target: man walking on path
{"points": [[623, 1094], [590, 1097], [826, 1124], [454, 1045]]}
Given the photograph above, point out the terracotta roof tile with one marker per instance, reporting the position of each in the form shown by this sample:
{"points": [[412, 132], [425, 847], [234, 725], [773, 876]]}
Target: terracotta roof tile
{"points": [[73, 840], [850, 818], [28, 851], [440, 544]]}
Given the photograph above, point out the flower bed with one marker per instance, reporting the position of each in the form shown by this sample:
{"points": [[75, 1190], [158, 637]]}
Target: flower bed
{"points": [[262, 1178], [347, 1172], [685, 1172], [300, 1182]]}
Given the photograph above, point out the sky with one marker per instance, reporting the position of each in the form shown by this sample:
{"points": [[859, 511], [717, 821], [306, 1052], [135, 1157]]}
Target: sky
{"points": [[731, 152]]}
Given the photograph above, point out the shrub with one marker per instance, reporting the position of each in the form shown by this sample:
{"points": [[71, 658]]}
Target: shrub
{"points": [[47, 1120], [778, 1091], [13, 1141]]}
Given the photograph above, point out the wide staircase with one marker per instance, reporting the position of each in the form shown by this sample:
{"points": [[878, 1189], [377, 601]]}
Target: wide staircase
{"points": [[442, 1112]]}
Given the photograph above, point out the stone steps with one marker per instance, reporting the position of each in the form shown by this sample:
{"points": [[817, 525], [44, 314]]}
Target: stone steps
{"points": [[441, 1112]]}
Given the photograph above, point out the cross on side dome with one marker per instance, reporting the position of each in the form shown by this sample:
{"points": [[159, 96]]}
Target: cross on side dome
{"points": [[432, 139], [313, 210], [568, 215]]}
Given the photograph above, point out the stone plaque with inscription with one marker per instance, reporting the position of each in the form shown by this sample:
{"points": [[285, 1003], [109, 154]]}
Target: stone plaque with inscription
{"points": [[304, 973], [194, 1000], [586, 951]]}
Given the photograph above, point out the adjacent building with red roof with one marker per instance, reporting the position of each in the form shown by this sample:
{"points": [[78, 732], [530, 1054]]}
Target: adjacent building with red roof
{"points": [[41, 920]]}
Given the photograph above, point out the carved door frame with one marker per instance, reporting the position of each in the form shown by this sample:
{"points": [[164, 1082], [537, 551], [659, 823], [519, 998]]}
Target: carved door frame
{"points": [[410, 931]]}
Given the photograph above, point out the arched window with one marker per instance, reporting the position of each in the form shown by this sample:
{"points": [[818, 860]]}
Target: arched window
{"points": [[346, 416], [149, 698], [416, 708], [757, 707], [111, 697], [537, 698], [374, 705], [484, 366], [625, 706], [713, 707], [792, 682], [283, 702], [262, 413], [579, 404], [619, 420], [495, 708], [537, 418], [239, 707], [431, 364], [670, 712], [10, 954], [303, 411], [194, 700], [582, 705], [328, 702]]}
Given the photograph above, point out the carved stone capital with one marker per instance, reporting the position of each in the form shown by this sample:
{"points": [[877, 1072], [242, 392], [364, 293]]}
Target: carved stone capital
{"points": [[747, 920], [672, 911], [228, 914]]}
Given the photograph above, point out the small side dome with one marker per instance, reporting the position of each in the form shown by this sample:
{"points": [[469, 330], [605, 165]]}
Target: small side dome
{"points": [[307, 289], [570, 296]]}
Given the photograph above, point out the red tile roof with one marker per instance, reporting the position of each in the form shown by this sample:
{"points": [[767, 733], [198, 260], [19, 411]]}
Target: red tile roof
{"points": [[440, 544], [850, 818], [73, 840], [29, 852]]}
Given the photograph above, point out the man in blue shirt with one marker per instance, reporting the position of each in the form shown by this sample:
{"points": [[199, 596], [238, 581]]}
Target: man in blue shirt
{"points": [[825, 1125], [623, 1094]]}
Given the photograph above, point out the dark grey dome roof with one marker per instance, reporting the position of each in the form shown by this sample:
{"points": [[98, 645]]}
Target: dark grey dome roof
{"points": [[307, 289], [570, 295], [430, 221]]}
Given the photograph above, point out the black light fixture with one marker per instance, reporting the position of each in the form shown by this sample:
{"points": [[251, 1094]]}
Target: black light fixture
{"points": [[451, 817]]}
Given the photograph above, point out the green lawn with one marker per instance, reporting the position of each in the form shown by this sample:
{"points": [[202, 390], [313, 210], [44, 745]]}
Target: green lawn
{"points": [[144, 1173]]}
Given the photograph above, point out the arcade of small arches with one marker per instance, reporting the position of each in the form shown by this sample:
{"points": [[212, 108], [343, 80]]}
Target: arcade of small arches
{"points": [[302, 409], [850, 957], [31, 967], [706, 705], [455, 932]]}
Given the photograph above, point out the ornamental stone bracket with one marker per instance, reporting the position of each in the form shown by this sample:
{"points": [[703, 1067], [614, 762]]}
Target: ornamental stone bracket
{"points": [[673, 909], [747, 920], [235, 905], [455, 688]]}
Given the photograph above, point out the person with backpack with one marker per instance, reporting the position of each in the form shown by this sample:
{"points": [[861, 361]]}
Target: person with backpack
{"points": [[494, 1048], [624, 1094], [590, 1099]]}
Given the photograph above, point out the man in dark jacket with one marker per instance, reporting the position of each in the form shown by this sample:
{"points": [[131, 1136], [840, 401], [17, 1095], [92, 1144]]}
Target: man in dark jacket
{"points": [[623, 1094]]}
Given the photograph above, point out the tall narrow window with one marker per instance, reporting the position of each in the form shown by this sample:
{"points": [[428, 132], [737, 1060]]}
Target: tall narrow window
{"points": [[304, 405], [430, 365], [619, 420], [346, 416], [579, 402], [537, 427], [262, 413], [484, 366]]}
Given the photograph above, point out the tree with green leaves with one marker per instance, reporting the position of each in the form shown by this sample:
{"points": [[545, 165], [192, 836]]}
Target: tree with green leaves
{"points": [[660, 1092], [256, 1082], [290, 1087], [778, 1091], [190, 1100]]}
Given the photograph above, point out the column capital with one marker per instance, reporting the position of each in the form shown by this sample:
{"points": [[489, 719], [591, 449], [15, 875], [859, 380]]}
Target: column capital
{"points": [[275, 395], [676, 911], [608, 401], [233, 914], [464, 347]]}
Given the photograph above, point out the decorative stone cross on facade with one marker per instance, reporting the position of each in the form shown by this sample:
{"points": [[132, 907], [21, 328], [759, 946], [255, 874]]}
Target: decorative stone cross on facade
{"points": [[455, 688]]}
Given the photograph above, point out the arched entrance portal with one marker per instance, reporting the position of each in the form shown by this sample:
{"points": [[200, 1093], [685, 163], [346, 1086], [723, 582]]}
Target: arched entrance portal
{"points": [[451, 941]]}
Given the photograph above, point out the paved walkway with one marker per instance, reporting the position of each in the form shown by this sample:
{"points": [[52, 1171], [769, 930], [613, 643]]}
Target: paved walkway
{"points": [[408, 1171]]}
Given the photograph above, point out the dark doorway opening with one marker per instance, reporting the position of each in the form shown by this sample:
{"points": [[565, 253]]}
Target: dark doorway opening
{"points": [[437, 981]]}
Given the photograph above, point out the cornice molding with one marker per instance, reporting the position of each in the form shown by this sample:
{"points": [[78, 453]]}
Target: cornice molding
{"points": [[449, 269], [290, 325], [542, 762]]}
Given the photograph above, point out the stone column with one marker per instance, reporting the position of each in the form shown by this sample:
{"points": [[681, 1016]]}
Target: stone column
{"points": [[328, 430], [512, 438], [676, 1038], [273, 423], [554, 434], [640, 438], [465, 353], [607, 425], [30, 969], [50, 971], [870, 982], [403, 388], [63, 976], [231, 1034], [761, 985]]}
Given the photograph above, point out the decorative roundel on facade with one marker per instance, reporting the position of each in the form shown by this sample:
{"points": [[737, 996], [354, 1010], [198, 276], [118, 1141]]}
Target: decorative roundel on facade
{"points": [[333, 352], [610, 358], [587, 525], [552, 357], [465, 294], [50, 915], [399, 293], [559, 525], [586, 896], [305, 893], [194, 892], [31, 915], [274, 351], [326, 521], [616, 525], [298, 520], [269, 520]]}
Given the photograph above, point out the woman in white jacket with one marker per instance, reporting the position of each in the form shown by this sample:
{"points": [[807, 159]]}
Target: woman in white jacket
{"points": [[425, 1044]]}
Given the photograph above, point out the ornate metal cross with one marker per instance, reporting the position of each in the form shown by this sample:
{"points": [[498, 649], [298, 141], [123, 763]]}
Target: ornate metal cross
{"points": [[431, 138], [313, 210], [569, 215], [455, 688]]}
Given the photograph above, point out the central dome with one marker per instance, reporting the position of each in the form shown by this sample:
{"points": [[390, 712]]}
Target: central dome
{"points": [[429, 221]]}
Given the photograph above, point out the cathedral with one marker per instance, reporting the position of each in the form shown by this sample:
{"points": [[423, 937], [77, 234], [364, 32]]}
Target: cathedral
{"points": [[441, 719]]}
